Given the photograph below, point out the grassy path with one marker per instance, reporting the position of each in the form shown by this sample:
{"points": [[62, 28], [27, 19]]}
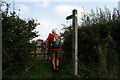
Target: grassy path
{"points": [[44, 70]]}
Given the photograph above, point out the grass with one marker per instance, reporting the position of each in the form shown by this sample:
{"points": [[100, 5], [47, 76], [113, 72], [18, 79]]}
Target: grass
{"points": [[43, 69]]}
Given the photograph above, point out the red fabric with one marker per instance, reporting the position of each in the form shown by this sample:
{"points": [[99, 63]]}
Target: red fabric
{"points": [[50, 38]]}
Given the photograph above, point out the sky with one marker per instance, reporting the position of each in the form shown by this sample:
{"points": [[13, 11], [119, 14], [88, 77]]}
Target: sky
{"points": [[51, 14]]}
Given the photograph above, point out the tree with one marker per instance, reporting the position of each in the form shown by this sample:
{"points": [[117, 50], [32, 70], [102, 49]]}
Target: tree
{"points": [[16, 36], [98, 40]]}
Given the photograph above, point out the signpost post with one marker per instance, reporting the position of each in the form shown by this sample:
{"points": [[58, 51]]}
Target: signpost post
{"points": [[74, 41]]}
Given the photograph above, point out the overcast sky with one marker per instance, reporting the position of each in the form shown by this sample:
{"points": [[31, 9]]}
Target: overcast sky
{"points": [[52, 13]]}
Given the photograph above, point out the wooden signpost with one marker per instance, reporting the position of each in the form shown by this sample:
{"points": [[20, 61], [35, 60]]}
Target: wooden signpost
{"points": [[74, 41]]}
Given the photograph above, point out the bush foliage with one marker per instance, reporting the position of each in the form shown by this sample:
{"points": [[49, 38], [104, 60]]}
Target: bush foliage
{"points": [[16, 46], [98, 41]]}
